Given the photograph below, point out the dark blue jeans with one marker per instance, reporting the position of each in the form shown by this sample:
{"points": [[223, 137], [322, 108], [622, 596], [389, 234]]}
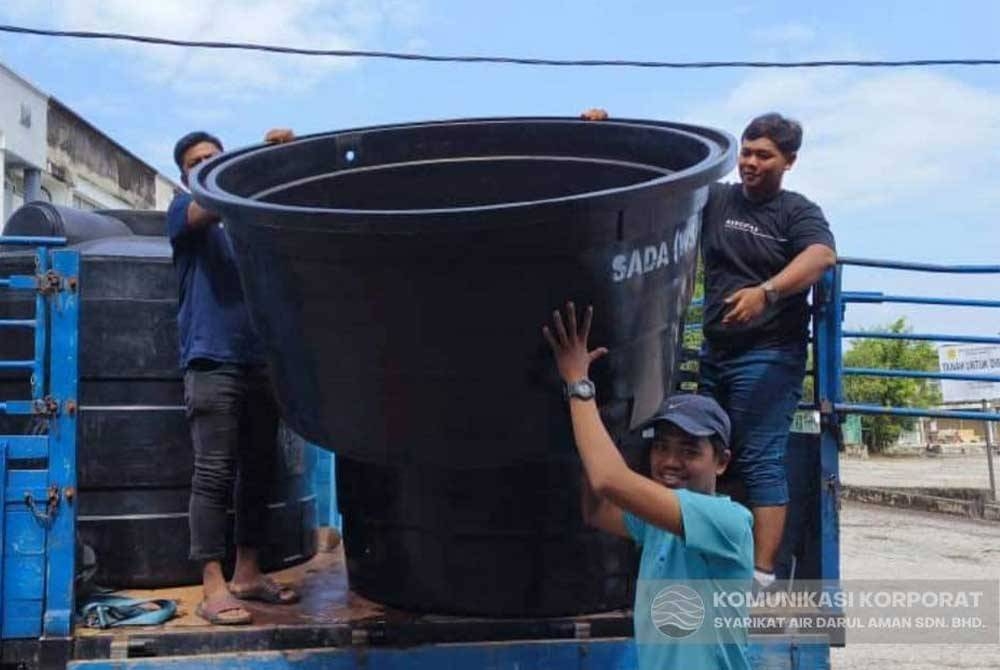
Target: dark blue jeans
{"points": [[234, 423], [760, 390]]}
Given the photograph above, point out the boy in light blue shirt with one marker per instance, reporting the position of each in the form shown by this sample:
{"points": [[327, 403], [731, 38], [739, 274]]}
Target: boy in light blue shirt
{"points": [[696, 546]]}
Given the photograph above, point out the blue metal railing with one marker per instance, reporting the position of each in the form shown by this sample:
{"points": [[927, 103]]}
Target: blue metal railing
{"points": [[879, 298], [924, 337], [22, 241], [920, 267], [874, 297], [37, 504], [918, 374], [830, 303]]}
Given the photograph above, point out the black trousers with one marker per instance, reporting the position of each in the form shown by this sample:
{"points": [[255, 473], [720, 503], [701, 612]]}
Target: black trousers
{"points": [[234, 423]]}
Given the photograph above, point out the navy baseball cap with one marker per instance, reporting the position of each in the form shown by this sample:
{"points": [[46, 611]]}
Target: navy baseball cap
{"points": [[694, 414]]}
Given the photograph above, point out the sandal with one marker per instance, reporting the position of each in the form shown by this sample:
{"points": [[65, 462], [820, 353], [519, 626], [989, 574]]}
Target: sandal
{"points": [[266, 590], [223, 610]]}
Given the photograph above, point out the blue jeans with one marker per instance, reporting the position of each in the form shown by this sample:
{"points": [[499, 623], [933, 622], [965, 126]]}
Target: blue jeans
{"points": [[760, 390]]}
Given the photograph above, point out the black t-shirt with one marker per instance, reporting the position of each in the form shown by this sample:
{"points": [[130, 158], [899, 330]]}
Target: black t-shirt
{"points": [[745, 243]]}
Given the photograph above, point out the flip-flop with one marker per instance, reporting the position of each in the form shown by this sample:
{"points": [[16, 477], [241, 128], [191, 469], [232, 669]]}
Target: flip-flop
{"points": [[223, 610], [267, 591]]}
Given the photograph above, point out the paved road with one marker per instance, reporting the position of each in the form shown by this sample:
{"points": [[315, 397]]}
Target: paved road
{"points": [[883, 542], [959, 470]]}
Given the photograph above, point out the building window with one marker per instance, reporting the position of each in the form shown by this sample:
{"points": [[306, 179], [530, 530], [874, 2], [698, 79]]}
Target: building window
{"points": [[25, 115], [80, 202]]}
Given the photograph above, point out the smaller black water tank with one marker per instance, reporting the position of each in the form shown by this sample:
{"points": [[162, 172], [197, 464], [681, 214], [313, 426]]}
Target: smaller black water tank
{"points": [[134, 457], [48, 220], [507, 541]]}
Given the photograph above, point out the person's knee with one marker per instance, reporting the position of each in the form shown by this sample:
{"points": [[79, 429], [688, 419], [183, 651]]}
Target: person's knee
{"points": [[767, 488], [214, 481]]}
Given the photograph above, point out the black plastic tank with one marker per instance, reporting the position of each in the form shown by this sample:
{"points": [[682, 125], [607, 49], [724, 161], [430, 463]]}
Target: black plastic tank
{"points": [[400, 276], [134, 454]]}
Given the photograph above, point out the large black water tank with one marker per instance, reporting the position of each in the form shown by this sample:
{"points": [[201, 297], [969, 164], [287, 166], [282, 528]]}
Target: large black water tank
{"points": [[134, 455], [399, 277]]}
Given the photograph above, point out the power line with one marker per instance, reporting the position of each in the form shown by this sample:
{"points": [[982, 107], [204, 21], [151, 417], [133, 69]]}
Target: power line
{"points": [[505, 60]]}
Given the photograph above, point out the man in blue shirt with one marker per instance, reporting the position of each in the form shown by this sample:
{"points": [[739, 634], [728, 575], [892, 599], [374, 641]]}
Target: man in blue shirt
{"points": [[231, 411], [698, 542]]}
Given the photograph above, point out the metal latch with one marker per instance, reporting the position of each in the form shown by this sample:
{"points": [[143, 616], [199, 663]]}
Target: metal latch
{"points": [[49, 283], [833, 488], [51, 507], [47, 406]]}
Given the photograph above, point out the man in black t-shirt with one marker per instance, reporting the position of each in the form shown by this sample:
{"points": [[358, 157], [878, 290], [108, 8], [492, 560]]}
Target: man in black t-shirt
{"points": [[763, 248]]}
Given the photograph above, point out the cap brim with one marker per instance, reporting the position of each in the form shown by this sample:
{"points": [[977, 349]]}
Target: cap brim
{"points": [[685, 424]]}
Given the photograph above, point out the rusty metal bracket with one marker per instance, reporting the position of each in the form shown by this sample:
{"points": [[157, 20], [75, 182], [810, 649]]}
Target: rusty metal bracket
{"points": [[47, 406], [832, 484], [49, 283], [51, 507]]}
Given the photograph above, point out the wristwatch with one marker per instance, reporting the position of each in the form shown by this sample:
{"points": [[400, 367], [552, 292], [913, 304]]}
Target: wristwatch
{"points": [[583, 389], [771, 294]]}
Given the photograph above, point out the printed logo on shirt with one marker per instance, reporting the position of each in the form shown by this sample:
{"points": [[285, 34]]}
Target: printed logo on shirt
{"points": [[752, 229]]}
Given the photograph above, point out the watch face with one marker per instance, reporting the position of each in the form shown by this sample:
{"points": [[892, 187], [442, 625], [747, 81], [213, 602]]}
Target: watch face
{"points": [[584, 390]]}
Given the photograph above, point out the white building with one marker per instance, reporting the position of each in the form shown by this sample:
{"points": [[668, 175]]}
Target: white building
{"points": [[48, 152]]}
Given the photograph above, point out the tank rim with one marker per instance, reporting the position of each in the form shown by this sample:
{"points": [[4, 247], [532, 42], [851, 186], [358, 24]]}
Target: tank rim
{"points": [[719, 160]]}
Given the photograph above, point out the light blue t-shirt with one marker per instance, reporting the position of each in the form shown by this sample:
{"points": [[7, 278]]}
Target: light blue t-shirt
{"points": [[715, 555]]}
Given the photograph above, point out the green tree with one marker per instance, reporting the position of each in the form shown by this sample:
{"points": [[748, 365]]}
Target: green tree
{"points": [[881, 431], [692, 338]]}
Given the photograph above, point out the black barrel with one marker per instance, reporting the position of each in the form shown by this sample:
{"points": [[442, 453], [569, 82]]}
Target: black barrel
{"points": [[399, 277], [47, 220], [140, 221], [134, 454]]}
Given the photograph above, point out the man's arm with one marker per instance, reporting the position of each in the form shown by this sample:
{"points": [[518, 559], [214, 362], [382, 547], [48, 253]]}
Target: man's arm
{"points": [[607, 472], [805, 269], [198, 217], [600, 513], [612, 480], [185, 217], [802, 272]]}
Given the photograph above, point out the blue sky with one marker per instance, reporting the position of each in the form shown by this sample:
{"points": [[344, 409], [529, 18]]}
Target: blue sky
{"points": [[904, 162]]}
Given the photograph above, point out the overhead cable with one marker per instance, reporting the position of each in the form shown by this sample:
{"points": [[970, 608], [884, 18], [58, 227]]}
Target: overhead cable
{"points": [[501, 60]]}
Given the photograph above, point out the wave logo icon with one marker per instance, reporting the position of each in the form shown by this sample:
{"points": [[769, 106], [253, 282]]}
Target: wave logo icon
{"points": [[677, 611]]}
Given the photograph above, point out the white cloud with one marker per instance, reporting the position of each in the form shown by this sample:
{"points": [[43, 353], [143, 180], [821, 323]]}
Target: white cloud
{"points": [[904, 164], [317, 24], [872, 139]]}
